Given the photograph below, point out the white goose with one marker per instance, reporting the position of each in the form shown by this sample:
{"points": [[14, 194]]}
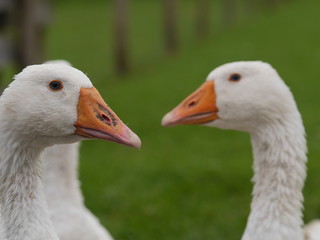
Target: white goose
{"points": [[71, 219], [43, 106], [251, 97]]}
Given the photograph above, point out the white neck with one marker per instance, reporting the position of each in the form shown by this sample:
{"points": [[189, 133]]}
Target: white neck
{"points": [[23, 207], [61, 176], [279, 173]]}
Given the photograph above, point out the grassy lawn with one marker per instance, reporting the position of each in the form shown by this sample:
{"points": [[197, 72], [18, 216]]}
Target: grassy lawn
{"points": [[187, 182]]}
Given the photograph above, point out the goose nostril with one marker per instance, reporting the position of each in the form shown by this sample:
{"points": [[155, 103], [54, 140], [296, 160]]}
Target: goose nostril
{"points": [[192, 103], [106, 118]]}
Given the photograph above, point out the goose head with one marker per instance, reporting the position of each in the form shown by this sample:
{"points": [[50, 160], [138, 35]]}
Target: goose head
{"points": [[239, 95], [57, 104]]}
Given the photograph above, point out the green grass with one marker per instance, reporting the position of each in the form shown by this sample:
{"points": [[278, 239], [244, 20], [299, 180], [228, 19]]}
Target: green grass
{"points": [[186, 182]]}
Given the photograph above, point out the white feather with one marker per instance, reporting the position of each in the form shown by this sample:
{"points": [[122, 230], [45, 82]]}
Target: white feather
{"points": [[71, 219]]}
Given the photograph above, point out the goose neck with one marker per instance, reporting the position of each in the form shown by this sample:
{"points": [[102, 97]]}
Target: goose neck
{"points": [[23, 207], [279, 151]]}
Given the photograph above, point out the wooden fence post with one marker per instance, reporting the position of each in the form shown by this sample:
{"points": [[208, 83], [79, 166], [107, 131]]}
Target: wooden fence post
{"points": [[229, 10], [251, 6], [272, 3], [31, 18], [202, 10], [121, 36], [170, 26], [6, 48]]}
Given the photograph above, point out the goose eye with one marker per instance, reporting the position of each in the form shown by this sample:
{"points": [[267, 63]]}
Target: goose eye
{"points": [[55, 85], [235, 77]]}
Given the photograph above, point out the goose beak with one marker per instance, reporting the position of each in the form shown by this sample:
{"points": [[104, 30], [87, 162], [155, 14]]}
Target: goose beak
{"points": [[198, 108], [96, 120]]}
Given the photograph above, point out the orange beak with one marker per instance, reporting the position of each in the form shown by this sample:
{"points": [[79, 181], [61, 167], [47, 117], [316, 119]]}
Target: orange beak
{"points": [[96, 120], [198, 108]]}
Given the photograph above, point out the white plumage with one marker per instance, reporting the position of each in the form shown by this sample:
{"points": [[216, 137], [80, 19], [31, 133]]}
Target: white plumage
{"points": [[35, 114], [251, 97], [312, 230], [71, 219]]}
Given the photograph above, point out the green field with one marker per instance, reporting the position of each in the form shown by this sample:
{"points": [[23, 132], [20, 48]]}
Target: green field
{"points": [[189, 182]]}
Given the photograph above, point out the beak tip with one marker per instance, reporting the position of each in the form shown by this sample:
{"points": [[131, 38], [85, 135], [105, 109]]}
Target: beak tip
{"points": [[167, 119], [132, 139], [135, 140]]}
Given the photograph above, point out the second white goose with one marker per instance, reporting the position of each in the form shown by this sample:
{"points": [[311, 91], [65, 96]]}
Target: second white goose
{"points": [[251, 97], [71, 219]]}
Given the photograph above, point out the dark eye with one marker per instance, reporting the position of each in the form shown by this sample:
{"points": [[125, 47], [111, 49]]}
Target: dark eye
{"points": [[55, 85], [235, 77]]}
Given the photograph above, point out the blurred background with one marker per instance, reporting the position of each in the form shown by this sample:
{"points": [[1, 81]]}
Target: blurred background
{"points": [[145, 56]]}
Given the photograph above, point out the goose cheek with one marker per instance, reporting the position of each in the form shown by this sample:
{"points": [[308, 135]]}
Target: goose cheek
{"points": [[96, 120], [198, 108]]}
